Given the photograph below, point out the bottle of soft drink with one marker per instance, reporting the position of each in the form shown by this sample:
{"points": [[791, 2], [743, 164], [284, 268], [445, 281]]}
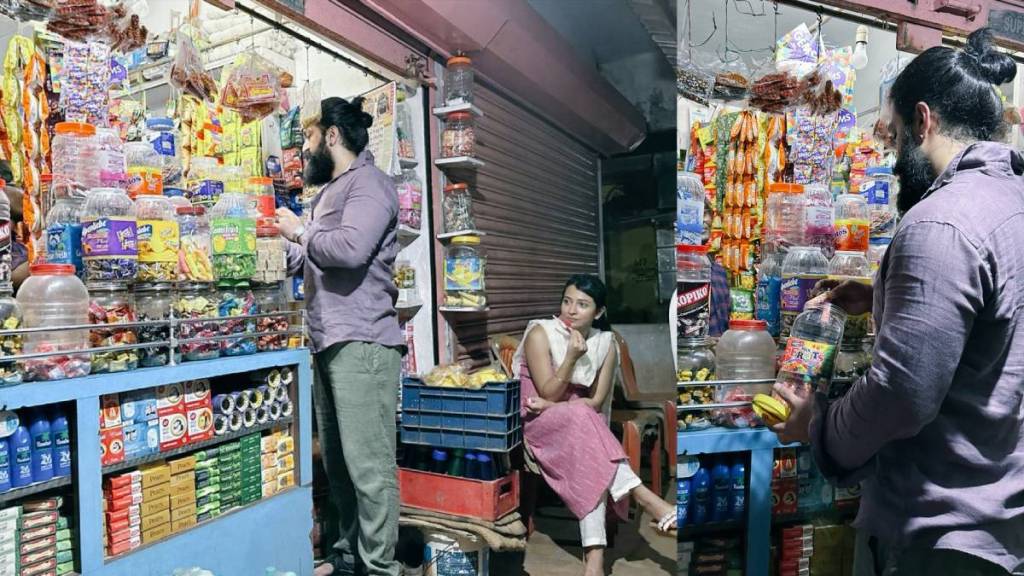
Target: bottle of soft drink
{"points": [[701, 484], [5, 466], [42, 447], [472, 466], [440, 460], [738, 503], [455, 463], [721, 488], [487, 471], [21, 463], [61, 444]]}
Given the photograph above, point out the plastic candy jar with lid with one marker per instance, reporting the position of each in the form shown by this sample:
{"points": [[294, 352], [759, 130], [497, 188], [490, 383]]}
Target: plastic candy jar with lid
{"points": [[809, 357], [852, 266], [459, 136], [457, 206], [145, 170], [177, 196], [465, 274], [879, 190], [64, 233], [53, 297], [204, 186], [10, 345], [74, 155], [236, 299], [233, 237], [153, 303], [195, 307], [160, 134], [270, 298], [158, 238], [271, 257], [194, 260], [109, 236], [696, 363], [785, 215], [458, 81], [110, 157], [262, 191], [410, 199], [112, 303], [852, 223]]}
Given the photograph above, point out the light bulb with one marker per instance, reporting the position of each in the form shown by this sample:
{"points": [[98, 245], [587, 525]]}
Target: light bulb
{"points": [[860, 51]]}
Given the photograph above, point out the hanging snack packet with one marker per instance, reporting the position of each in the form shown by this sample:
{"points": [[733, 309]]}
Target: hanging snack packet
{"points": [[310, 105], [252, 88], [187, 72]]}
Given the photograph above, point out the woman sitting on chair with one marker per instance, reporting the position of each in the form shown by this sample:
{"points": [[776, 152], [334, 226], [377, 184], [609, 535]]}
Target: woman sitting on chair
{"points": [[566, 366]]}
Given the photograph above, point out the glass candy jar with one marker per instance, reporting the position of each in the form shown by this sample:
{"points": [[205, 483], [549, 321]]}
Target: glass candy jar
{"points": [[154, 303], [111, 303], [195, 307]]}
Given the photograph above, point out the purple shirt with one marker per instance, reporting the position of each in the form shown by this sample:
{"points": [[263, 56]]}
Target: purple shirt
{"points": [[346, 257], [936, 428]]}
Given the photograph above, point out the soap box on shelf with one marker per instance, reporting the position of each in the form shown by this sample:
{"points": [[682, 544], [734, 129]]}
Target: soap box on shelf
{"points": [[141, 438], [138, 406], [200, 421], [169, 396], [197, 394], [110, 411], [173, 428], [111, 445]]}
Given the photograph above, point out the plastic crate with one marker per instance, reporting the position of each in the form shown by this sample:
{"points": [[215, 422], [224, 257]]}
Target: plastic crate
{"points": [[486, 419], [467, 439], [464, 497], [494, 399]]}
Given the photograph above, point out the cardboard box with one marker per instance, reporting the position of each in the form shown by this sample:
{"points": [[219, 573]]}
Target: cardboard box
{"points": [[42, 505], [141, 438], [154, 475], [269, 488], [197, 393], [154, 520], [170, 396], [118, 548], [138, 406], [286, 463], [132, 532], [182, 465], [285, 481], [37, 533], [268, 443], [37, 557], [157, 532], [46, 543], [183, 499], [111, 446], [39, 569], [124, 503], [285, 445], [184, 512], [122, 492], [156, 492], [269, 474], [200, 423], [110, 411], [37, 519], [181, 490], [173, 428], [179, 480], [133, 516], [183, 523], [155, 505], [133, 477]]}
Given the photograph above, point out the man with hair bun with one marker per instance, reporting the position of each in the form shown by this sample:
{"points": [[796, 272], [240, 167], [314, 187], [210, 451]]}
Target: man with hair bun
{"points": [[346, 254], [935, 430]]}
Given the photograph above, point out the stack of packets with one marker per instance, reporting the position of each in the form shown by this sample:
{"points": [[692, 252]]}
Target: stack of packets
{"points": [[266, 401], [227, 477], [136, 508], [145, 422], [36, 540], [797, 550], [277, 463], [711, 556]]}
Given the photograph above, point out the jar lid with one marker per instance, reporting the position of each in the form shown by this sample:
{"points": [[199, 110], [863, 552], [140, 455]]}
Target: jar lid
{"points": [[153, 287], [748, 325], [76, 128], [173, 192], [466, 240], [456, 186], [879, 171], [698, 342], [785, 187], [880, 241], [191, 210], [459, 116], [261, 180], [464, 60], [691, 249], [109, 285], [194, 286], [160, 122], [46, 269], [46, 178]]}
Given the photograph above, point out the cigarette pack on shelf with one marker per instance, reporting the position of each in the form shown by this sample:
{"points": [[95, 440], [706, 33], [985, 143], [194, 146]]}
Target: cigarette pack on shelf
{"points": [[480, 499], [484, 419], [35, 538]]}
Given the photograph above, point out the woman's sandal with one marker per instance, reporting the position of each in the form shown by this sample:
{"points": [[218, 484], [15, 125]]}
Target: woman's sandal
{"points": [[666, 526]]}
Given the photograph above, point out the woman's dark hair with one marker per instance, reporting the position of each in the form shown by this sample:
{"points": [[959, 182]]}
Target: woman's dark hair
{"points": [[958, 87], [350, 120], [592, 286]]}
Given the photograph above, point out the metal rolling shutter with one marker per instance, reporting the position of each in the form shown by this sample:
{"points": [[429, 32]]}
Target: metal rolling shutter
{"points": [[537, 200]]}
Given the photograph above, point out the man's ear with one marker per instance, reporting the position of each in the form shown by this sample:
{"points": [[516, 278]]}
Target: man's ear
{"points": [[924, 122]]}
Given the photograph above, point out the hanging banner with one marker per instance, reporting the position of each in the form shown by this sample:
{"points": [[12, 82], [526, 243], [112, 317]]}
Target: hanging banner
{"points": [[380, 103]]}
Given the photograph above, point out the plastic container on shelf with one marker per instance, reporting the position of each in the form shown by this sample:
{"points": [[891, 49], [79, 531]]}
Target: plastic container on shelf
{"points": [[236, 299], [465, 274], [876, 251], [819, 229], [195, 262], [53, 297], [853, 223], [689, 209], [457, 207], [233, 238], [746, 352], [177, 196], [195, 305], [271, 255], [11, 316], [262, 190], [458, 81], [769, 292], [270, 298], [802, 269], [64, 233], [459, 136], [162, 136], [879, 190], [154, 303], [205, 181], [73, 151], [109, 236], [853, 266], [145, 170], [693, 292], [809, 358], [696, 363], [785, 216], [111, 303], [111, 159], [158, 238], [410, 199]]}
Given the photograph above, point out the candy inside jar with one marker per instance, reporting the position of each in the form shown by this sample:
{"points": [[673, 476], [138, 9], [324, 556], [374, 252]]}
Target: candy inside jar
{"points": [[53, 297], [233, 237], [236, 299], [111, 303], [10, 313], [197, 302], [158, 238], [271, 257], [194, 262], [459, 136], [153, 303], [109, 236], [270, 298], [458, 208]]}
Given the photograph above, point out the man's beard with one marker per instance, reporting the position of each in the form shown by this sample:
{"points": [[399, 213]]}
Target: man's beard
{"points": [[319, 166], [915, 172]]}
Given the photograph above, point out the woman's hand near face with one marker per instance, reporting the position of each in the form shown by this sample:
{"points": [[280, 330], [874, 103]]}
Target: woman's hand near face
{"points": [[577, 346]]}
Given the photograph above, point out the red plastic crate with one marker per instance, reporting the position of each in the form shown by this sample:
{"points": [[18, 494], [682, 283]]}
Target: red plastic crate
{"points": [[459, 496]]}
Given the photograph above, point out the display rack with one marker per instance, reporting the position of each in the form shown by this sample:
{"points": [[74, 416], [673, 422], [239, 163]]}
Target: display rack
{"points": [[271, 532]]}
